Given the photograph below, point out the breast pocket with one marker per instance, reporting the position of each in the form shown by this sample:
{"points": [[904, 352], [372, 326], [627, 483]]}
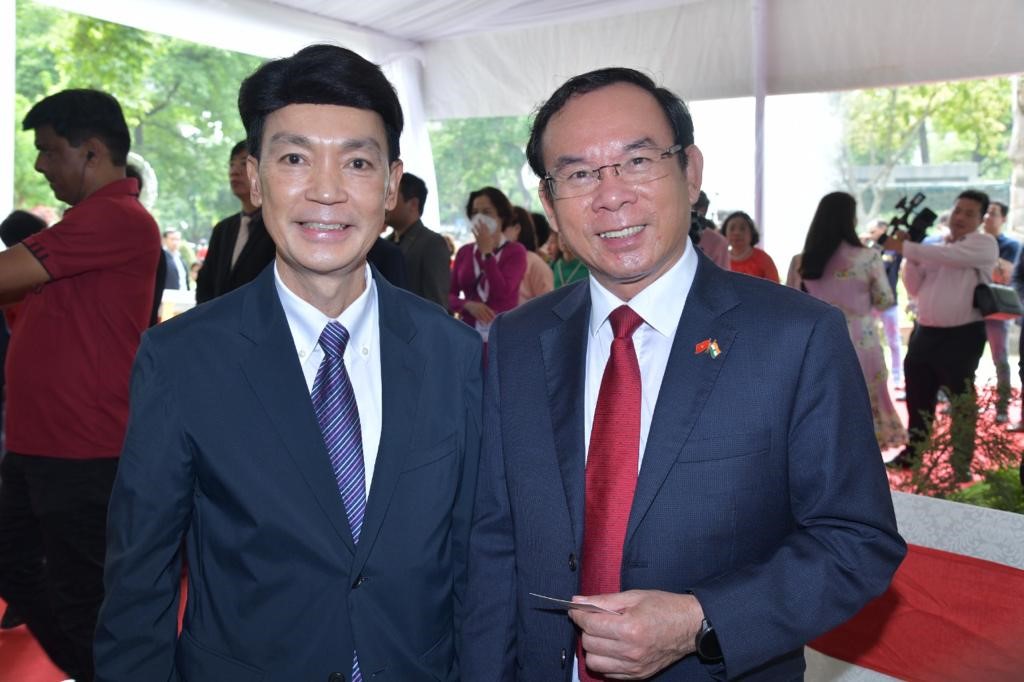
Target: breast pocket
{"points": [[425, 456], [726, 445]]}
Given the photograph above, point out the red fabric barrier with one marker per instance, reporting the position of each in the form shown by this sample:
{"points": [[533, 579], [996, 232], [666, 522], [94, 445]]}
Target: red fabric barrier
{"points": [[945, 617]]}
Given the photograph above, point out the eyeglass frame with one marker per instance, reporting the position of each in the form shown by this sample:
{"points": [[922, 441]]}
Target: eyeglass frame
{"points": [[550, 180]]}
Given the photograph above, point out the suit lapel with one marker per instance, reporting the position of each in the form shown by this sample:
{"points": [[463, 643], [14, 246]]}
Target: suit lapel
{"points": [[688, 381], [402, 380], [564, 351], [273, 371]]}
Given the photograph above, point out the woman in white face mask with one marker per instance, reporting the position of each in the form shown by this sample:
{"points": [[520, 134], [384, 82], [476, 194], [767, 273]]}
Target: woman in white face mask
{"points": [[487, 273]]}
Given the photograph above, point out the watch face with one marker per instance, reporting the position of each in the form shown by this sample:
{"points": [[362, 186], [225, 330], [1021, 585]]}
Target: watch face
{"points": [[707, 643]]}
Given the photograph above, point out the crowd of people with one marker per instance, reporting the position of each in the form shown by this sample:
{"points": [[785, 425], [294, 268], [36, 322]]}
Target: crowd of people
{"points": [[356, 484]]}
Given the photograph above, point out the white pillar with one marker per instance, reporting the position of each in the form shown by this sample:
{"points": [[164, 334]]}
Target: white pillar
{"points": [[7, 55]]}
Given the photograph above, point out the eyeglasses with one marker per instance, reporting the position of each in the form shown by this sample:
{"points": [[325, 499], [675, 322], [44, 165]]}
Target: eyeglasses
{"points": [[637, 167]]}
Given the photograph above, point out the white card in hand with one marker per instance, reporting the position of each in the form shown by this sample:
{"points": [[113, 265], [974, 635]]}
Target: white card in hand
{"points": [[582, 606]]}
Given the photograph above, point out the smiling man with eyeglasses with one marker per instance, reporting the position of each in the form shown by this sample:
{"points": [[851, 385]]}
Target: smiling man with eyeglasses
{"points": [[693, 455]]}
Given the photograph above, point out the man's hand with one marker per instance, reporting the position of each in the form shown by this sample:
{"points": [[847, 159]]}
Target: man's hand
{"points": [[895, 241], [655, 629]]}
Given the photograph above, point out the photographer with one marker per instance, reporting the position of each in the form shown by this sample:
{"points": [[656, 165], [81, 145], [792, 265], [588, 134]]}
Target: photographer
{"points": [[949, 339]]}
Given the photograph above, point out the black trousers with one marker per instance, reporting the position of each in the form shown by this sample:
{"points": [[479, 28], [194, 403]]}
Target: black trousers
{"points": [[53, 515], [946, 358]]}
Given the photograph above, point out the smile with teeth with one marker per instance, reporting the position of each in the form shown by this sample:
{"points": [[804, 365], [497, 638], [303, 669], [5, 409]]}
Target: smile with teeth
{"points": [[624, 232], [324, 226]]}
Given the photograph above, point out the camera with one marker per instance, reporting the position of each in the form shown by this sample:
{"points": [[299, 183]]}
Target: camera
{"points": [[917, 227]]}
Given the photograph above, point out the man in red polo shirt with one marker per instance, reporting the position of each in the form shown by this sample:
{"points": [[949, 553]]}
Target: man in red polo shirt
{"points": [[87, 289]]}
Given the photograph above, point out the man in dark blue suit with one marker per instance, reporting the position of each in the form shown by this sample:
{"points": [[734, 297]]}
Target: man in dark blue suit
{"points": [[688, 448], [318, 453]]}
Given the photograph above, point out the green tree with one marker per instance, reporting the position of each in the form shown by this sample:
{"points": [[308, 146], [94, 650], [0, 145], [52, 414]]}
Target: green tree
{"points": [[471, 153], [938, 123], [179, 99]]}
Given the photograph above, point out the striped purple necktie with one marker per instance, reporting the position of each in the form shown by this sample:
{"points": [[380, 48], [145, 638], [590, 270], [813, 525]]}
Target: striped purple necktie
{"points": [[335, 404]]}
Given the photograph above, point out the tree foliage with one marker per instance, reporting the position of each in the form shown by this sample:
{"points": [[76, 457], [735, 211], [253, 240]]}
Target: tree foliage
{"points": [[179, 98], [471, 153], [933, 123]]}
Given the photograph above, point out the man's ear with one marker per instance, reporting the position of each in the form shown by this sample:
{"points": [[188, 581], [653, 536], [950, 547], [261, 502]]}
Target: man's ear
{"points": [[93, 149], [394, 180], [252, 170], [548, 204], [694, 171]]}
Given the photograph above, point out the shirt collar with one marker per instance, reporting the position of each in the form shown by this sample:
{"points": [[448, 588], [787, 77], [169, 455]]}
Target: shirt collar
{"points": [[660, 303], [306, 322]]}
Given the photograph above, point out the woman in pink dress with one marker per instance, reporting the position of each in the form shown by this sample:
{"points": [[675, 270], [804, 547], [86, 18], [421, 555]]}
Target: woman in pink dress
{"points": [[836, 268]]}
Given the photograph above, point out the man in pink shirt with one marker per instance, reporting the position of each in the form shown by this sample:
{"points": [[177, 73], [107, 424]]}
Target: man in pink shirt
{"points": [[949, 339]]}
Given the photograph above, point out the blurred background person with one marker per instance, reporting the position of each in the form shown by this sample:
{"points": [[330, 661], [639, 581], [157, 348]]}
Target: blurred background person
{"points": [[542, 228], [836, 268], [239, 245], [487, 272], [176, 276], [538, 278], [744, 256], [890, 317], [567, 268], [425, 252], [998, 331]]}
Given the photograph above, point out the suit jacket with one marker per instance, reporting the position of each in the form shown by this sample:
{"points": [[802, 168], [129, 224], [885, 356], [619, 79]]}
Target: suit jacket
{"points": [[217, 276], [427, 263], [387, 258], [172, 279], [761, 490], [226, 453]]}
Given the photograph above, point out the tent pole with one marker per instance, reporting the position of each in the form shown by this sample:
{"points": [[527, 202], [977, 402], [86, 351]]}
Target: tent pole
{"points": [[758, 13]]}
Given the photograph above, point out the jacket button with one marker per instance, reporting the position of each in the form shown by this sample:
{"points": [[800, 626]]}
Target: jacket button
{"points": [[336, 677], [564, 657], [572, 562], [359, 581]]}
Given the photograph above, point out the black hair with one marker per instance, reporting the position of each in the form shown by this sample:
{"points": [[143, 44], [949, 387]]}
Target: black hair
{"points": [[542, 227], [702, 201], [501, 204], [412, 186], [239, 147], [77, 115], [834, 222], [18, 225], [755, 236], [1003, 208], [319, 74], [130, 171], [167, 233], [976, 195], [527, 233], [675, 110]]}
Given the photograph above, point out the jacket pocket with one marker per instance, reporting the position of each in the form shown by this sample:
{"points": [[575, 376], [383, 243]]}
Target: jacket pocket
{"points": [[196, 663]]}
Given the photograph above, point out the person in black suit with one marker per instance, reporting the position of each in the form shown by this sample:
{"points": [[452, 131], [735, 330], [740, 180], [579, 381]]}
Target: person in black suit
{"points": [[311, 556], [387, 258], [240, 247], [427, 259], [176, 275]]}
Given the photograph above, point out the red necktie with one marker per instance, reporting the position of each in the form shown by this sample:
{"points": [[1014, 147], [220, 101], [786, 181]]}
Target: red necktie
{"points": [[612, 464]]}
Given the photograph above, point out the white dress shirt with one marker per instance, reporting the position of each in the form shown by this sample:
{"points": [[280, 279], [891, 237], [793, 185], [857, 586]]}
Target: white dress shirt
{"points": [[661, 305], [362, 354]]}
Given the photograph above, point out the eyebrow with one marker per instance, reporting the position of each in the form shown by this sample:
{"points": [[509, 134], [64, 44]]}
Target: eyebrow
{"points": [[300, 140], [566, 160]]}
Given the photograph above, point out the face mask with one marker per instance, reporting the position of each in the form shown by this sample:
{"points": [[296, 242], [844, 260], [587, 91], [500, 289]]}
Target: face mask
{"points": [[485, 221]]}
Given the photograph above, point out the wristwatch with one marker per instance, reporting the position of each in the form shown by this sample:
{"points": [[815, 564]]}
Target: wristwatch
{"points": [[706, 643]]}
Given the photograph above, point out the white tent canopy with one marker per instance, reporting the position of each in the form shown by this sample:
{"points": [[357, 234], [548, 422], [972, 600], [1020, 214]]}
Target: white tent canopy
{"points": [[462, 58]]}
